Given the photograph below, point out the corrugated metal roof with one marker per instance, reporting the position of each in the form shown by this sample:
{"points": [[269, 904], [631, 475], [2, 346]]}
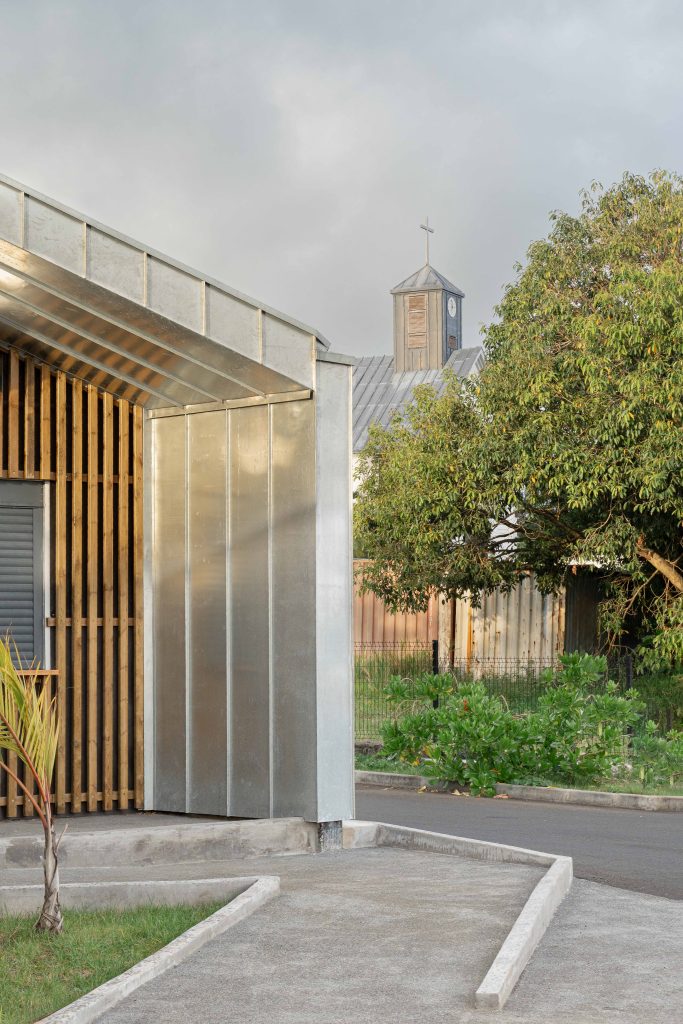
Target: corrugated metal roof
{"points": [[426, 280], [378, 392]]}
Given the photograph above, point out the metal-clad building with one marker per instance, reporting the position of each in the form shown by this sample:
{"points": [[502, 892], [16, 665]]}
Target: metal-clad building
{"points": [[379, 393], [189, 449]]}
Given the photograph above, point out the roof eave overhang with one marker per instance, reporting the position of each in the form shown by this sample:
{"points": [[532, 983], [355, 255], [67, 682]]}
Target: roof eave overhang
{"points": [[104, 338], [399, 290]]}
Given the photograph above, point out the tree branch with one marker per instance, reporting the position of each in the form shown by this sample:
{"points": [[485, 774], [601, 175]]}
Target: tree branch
{"points": [[663, 565]]}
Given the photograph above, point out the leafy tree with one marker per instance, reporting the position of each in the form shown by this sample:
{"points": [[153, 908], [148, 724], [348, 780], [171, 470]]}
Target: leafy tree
{"points": [[569, 448], [29, 729]]}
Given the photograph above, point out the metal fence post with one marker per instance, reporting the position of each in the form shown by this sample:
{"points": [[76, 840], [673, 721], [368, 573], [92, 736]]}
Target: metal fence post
{"points": [[629, 672], [435, 667]]}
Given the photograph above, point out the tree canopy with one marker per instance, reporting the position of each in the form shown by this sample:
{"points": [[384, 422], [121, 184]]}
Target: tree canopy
{"points": [[568, 448]]}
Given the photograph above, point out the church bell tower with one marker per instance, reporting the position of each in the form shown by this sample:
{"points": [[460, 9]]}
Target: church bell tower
{"points": [[427, 319]]}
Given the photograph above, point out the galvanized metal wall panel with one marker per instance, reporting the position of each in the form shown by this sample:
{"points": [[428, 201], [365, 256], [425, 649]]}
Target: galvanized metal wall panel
{"points": [[288, 350], [169, 574], [55, 235], [334, 595], [10, 213], [233, 322], [249, 613], [261, 665], [207, 570], [116, 265], [293, 648], [174, 294]]}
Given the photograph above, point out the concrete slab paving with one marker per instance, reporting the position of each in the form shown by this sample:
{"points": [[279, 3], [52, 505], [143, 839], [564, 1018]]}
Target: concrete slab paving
{"points": [[363, 936], [609, 957]]}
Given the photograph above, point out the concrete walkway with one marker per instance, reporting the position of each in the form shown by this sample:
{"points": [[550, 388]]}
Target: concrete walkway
{"points": [[395, 936], [609, 957], [363, 936]]}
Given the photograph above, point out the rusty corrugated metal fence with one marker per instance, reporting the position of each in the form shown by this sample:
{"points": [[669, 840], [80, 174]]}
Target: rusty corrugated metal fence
{"points": [[522, 625], [374, 623]]}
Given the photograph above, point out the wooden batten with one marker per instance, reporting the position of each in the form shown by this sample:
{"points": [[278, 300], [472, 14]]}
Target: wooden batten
{"points": [[75, 623], [138, 690], [60, 584], [123, 595], [87, 446], [92, 599]]}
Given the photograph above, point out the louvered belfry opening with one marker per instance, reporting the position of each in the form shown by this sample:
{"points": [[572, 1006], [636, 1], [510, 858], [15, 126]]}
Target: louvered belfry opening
{"points": [[417, 321], [85, 447]]}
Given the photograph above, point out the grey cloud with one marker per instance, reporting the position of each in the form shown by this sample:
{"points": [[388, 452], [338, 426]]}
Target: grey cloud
{"points": [[293, 148]]}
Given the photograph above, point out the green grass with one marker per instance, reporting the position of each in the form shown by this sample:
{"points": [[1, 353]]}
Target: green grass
{"points": [[620, 786], [40, 973], [378, 763]]}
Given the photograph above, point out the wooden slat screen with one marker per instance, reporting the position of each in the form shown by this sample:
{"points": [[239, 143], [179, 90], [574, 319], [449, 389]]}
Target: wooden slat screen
{"points": [[88, 446]]}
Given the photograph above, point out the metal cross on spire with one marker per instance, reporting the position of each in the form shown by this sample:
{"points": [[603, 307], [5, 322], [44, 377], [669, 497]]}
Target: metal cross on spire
{"points": [[428, 231]]}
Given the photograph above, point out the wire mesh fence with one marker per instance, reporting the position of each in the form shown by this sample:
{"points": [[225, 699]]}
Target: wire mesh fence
{"points": [[518, 682]]}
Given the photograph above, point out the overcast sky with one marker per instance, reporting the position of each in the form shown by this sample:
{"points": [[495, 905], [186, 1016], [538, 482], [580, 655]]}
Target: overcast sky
{"points": [[292, 149]]}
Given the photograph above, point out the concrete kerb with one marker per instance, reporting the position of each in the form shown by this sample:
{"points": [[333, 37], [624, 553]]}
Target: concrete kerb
{"points": [[194, 841], [391, 780], [540, 794], [592, 798], [27, 899], [90, 1006], [532, 922], [524, 936]]}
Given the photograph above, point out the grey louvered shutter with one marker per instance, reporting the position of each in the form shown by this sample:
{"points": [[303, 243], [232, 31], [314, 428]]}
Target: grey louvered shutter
{"points": [[21, 570]]}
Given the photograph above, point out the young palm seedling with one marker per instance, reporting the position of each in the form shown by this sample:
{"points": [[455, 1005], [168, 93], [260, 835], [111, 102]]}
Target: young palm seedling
{"points": [[29, 729]]}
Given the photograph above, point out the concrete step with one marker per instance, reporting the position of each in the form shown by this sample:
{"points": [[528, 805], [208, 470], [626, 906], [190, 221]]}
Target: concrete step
{"points": [[164, 844]]}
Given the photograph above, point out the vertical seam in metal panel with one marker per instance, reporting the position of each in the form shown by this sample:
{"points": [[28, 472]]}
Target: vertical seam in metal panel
{"points": [[145, 277], [228, 614], [86, 234], [271, 701], [202, 304], [188, 630], [23, 226]]}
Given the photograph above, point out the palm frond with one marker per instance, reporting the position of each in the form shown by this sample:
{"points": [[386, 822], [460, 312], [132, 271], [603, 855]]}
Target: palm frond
{"points": [[28, 716]]}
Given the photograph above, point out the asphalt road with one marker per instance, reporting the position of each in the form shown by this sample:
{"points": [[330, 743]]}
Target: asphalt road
{"points": [[637, 850]]}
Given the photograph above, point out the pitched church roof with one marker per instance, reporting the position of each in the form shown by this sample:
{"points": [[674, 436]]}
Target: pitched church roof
{"points": [[378, 392], [426, 280]]}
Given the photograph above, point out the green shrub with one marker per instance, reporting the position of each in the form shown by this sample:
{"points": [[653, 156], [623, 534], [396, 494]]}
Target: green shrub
{"points": [[468, 739], [663, 694], [656, 760], [577, 733]]}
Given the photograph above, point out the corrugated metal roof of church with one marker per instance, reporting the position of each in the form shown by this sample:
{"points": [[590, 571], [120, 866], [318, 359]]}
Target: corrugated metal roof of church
{"points": [[378, 392], [427, 279]]}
